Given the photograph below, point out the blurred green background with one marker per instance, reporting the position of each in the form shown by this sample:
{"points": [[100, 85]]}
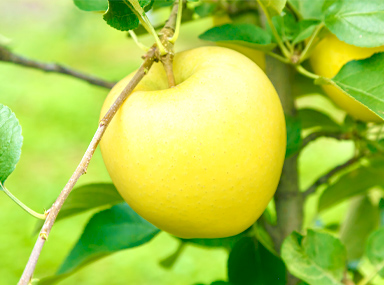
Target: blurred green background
{"points": [[59, 115]]}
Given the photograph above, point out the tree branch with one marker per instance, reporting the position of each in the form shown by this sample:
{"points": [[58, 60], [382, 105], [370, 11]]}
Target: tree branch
{"points": [[316, 135], [324, 179], [149, 58], [7, 56]]}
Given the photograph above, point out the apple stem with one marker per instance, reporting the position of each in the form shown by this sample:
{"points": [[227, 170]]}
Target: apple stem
{"points": [[169, 34], [168, 67]]}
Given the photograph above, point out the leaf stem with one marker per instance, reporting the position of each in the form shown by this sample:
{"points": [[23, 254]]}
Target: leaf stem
{"points": [[294, 10], [175, 36], [306, 73], [279, 57], [283, 48], [137, 42], [304, 54], [22, 205], [139, 12], [369, 278]]}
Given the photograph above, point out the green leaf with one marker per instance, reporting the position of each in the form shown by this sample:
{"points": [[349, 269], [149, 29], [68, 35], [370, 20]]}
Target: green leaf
{"points": [[361, 219], [303, 86], [305, 30], [162, 3], [293, 135], [290, 29], [251, 263], [88, 197], [375, 249], [318, 258], [364, 81], [107, 232], [309, 9], [242, 34], [92, 5], [264, 238], [274, 6], [353, 183], [227, 242], [356, 22], [120, 14], [206, 8], [311, 118], [11, 141], [381, 209]]}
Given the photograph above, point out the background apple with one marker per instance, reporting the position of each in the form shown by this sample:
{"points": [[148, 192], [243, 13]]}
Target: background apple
{"points": [[328, 58]]}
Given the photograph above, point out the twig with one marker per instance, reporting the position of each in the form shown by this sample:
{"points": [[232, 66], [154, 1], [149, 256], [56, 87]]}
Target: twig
{"points": [[7, 56], [82, 168], [324, 179], [316, 135], [149, 58]]}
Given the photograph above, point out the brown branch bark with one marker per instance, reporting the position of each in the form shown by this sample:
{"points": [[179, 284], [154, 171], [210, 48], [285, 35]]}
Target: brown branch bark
{"points": [[7, 56], [324, 179], [316, 135], [149, 58]]}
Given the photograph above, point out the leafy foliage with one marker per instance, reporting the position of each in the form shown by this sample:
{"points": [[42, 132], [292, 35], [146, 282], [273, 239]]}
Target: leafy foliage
{"points": [[364, 81], [318, 258], [352, 183], [88, 197], [109, 231], [290, 29], [313, 119], [242, 34], [11, 141], [375, 249], [362, 218], [122, 16], [92, 5], [251, 263], [293, 135], [274, 6], [356, 22], [308, 9]]}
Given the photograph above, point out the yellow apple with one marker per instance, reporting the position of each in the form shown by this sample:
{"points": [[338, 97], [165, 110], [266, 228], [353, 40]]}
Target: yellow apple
{"points": [[201, 159], [257, 56], [328, 58]]}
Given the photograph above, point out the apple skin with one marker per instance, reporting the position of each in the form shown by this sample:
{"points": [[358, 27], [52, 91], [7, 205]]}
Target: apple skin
{"points": [[204, 158], [328, 58]]}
